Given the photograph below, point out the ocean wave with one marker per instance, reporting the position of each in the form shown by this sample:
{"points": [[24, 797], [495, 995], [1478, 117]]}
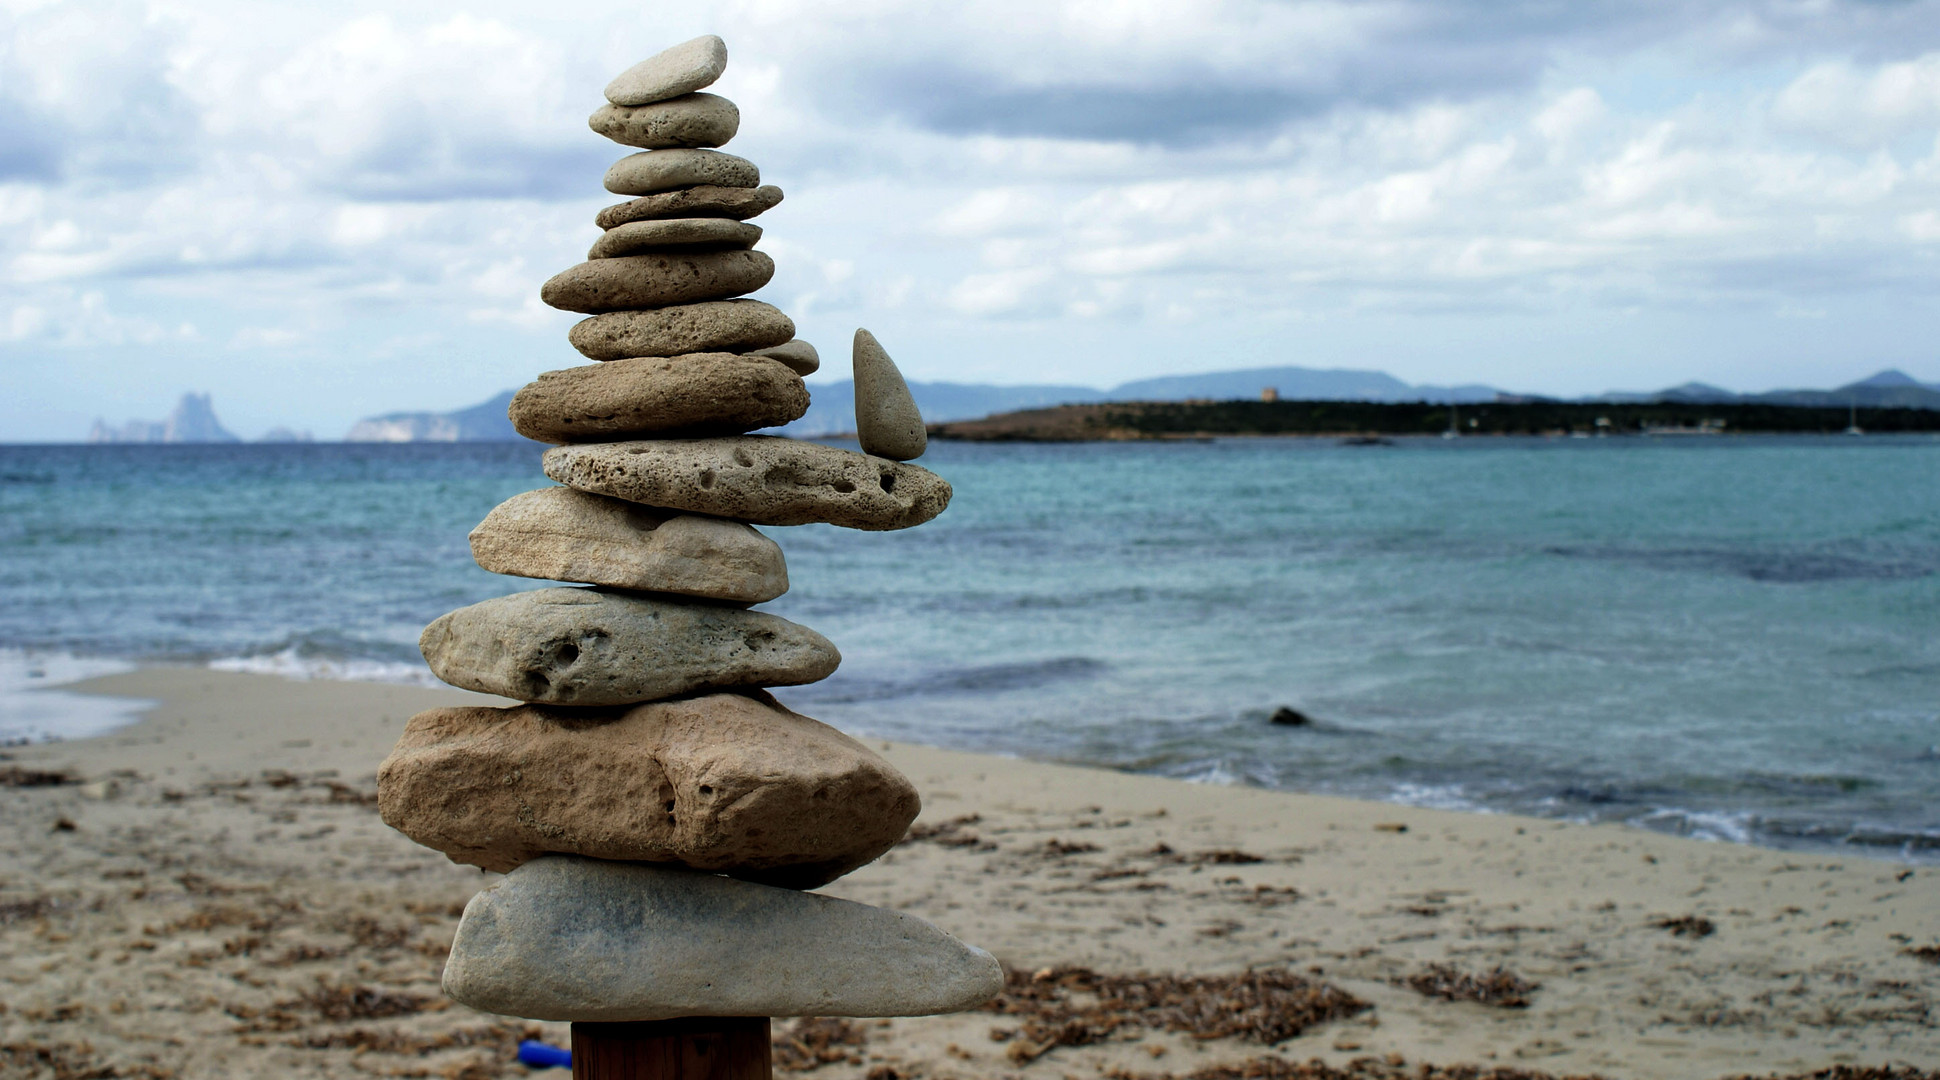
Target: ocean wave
{"points": [[292, 663], [34, 707]]}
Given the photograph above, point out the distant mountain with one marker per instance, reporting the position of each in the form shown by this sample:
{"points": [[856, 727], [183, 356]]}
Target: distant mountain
{"points": [[484, 422], [193, 421], [1888, 389], [833, 409]]}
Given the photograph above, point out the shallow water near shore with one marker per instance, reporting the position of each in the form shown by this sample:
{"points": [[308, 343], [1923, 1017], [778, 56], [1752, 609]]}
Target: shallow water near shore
{"points": [[1736, 638]]}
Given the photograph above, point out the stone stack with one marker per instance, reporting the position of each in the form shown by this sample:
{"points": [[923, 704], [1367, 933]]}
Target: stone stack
{"points": [[655, 811]]}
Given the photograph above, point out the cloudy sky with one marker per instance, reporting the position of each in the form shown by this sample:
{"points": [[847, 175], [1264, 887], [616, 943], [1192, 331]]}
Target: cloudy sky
{"points": [[325, 212]]}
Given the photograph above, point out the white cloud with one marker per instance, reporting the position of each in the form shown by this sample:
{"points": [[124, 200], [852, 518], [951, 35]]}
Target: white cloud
{"points": [[356, 177]]}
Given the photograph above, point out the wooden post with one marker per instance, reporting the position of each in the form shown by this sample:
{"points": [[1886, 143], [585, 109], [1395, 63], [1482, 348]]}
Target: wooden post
{"points": [[689, 1048]]}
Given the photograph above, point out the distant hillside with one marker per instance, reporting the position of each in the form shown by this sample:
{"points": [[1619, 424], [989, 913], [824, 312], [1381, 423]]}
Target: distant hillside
{"points": [[833, 409], [1889, 389], [1368, 420], [484, 422], [193, 421]]}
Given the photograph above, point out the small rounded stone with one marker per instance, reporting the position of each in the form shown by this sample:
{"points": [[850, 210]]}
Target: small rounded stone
{"points": [[692, 120], [639, 237], [797, 354], [663, 170]]}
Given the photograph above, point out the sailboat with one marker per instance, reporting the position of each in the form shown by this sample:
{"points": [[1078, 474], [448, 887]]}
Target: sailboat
{"points": [[1852, 425], [1451, 433]]}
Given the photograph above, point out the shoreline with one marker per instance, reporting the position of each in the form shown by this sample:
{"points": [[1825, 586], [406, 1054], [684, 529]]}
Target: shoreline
{"points": [[214, 892], [128, 709]]}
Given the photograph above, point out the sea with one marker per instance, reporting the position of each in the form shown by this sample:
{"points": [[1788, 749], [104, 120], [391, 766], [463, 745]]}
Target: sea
{"points": [[1732, 638]]}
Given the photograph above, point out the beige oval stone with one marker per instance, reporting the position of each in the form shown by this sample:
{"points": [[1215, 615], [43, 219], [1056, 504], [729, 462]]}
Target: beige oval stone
{"points": [[682, 69], [660, 170], [887, 422], [691, 120], [756, 478], [591, 647], [563, 938], [729, 783], [797, 354], [559, 534], [651, 281], [641, 236], [705, 200], [702, 392], [711, 326]]}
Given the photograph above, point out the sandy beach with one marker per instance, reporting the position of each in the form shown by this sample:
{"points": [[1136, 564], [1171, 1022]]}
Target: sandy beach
{"points": [[210, 893]]}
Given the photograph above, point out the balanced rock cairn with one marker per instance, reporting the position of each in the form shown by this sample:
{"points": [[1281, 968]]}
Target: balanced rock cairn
{"points": [[656, 813]]}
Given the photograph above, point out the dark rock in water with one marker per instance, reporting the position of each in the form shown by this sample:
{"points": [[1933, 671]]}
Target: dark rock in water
{"points": [[1290, 717]]}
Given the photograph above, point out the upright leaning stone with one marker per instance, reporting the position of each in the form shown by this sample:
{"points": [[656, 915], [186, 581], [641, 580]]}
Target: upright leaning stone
{"points": [[887, 422]]}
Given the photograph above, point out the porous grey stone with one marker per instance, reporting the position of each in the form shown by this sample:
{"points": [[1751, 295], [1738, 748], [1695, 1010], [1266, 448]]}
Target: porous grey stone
{"points": [[592, 647], [706, 200], [797, 354], [559, 534], [639, 236], [726, 783], [710, 326], [661, 170], [887, 422], [669, 73], [701, 392], [756, 478], [562, 938], [691, 120], [651, 281]]}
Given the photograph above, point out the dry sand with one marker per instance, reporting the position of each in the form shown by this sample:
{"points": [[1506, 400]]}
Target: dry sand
{"points": [[219, 899]]}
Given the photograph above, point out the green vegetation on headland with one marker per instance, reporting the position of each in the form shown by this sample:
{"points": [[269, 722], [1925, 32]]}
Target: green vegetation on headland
{"points": [[1201, 419]]}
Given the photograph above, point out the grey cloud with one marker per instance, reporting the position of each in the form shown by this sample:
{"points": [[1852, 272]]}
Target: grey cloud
{"points": [[1450, 51]]}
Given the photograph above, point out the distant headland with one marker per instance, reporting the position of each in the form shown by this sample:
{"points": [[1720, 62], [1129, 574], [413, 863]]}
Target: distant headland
{"points": [[1245, 401]]}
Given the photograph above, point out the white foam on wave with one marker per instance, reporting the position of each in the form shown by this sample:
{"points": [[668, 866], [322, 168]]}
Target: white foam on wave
{"points": [[290, 664], [1436, 797], [34, 708], [1713, 825]]}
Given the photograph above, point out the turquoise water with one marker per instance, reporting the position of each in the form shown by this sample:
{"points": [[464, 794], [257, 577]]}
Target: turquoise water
{"points": [[1736, 638]]}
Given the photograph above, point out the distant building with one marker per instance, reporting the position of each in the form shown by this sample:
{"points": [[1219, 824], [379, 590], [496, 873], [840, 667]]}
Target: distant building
{"points": [[1269, 393]]}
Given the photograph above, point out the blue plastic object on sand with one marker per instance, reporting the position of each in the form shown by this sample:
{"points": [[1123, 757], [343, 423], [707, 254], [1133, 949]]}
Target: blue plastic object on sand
{"points": [[540, 1056]]}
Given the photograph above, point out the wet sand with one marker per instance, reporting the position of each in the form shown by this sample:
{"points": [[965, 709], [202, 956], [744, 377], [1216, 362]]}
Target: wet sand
{"points": [[210, 893]]}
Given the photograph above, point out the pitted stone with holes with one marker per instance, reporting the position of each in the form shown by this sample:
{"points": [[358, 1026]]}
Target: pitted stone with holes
{"points": [[592, 647]]}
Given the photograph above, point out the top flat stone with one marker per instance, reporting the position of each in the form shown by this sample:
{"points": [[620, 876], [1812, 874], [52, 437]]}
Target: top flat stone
{"points": [[683, 69], [565, 938]]}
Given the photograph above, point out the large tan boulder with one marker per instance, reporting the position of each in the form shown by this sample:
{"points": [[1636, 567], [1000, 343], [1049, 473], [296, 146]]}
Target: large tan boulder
{"points": [[651, 281], [559, 534], [731, 783], [593, 647], [713, 326], [688, 120], [756, 478], [702, 200], [704, 392]]}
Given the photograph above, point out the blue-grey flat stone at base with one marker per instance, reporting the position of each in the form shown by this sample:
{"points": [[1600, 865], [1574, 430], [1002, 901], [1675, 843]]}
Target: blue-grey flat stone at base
{"points": [[566, 938]]}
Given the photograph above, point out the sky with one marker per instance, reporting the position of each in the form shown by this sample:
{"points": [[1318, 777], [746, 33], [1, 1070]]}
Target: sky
{"points": [[327, 211]]}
